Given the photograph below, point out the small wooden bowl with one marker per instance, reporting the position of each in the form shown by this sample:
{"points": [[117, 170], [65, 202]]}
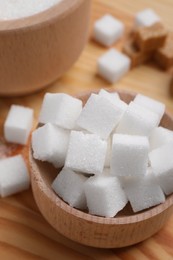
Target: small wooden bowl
{"points": [[36, 50], [127, 228]]}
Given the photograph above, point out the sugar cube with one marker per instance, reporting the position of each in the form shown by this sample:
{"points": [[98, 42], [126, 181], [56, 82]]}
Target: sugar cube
{"points": [[113, 65], [108, 152], [150, 103], [151, 37], [69, 185], [111, 96], [104, 196], [50, 143], [100, 116], [160, 136], [137, 120], [164, 55], [162, 165], [129, 155], [86, 153], [14, 176], [18, 124], [146, 17], [60, 109], [108, 29], [137, 56], [143, 192], [114, 98]]}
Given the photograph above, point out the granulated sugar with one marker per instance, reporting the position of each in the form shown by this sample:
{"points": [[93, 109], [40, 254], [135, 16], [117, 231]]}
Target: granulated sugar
{"points": [[14, 9]]}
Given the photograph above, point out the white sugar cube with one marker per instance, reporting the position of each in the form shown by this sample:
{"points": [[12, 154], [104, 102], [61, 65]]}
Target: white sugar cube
{"points": [[18, 124], [146, 17], [151, 104], [108, 152], [129, 155], [160, 136], [162, 164], [99, 116], [111, 96], [50, 143], [14, 176], [86, 153], [70, 187], [137, 120], [113, 65], [143, 192], [60, 109], [104, 196], [108, 29]]}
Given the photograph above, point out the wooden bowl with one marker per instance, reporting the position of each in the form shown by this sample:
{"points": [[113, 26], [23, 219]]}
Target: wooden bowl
{"points": [[36, 50], [127, 228]]}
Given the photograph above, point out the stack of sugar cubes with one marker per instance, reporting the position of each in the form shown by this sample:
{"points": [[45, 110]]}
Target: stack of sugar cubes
{"points": [[14, 175], [111, 152]]}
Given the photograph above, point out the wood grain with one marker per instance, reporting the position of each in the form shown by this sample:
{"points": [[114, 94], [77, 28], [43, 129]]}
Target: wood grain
{"points": [[24, 234]]}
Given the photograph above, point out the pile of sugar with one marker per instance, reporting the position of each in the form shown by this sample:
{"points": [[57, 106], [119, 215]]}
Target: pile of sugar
{"points": [[110, 152], [15, 9]]}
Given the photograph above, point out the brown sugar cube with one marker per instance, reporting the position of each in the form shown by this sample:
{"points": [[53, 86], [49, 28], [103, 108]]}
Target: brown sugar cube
{"points": [[164, 55], [137, 56], [150, 38]]}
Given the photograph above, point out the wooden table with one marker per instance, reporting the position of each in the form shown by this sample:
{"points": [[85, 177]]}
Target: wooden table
{"points": [[24, 234]]}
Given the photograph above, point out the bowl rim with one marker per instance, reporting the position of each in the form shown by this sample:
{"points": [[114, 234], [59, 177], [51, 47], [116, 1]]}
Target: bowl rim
{"points": [[56, 12], [55, 199]]}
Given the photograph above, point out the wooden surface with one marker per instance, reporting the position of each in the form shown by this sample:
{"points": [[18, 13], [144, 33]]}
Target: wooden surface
{"points": [[24, 234]]}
